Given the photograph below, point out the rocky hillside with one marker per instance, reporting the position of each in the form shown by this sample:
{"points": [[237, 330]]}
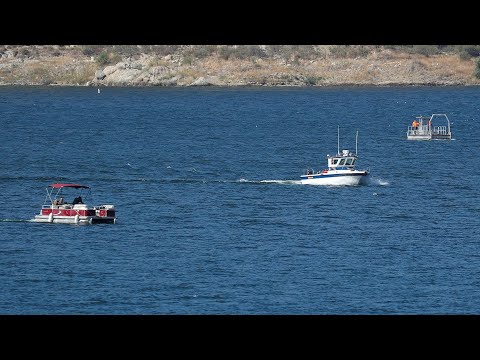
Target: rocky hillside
{"points": [[255, 65]]}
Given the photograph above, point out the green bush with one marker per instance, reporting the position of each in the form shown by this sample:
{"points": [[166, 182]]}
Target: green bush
{"points": [[349, 51], [164, 50], [201, 51], [91, 50], [463, 55], [313, 80], [469, 51], [105, 58], [188, 60], [247, 51], [114, 58], [477, 70], [241, 52], [426, 50], [273, 50], [306, 52], [225, 52], [102, 58], [126, 50]]}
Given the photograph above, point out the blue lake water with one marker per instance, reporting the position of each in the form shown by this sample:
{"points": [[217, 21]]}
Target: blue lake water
{"points": [[211, 218]]}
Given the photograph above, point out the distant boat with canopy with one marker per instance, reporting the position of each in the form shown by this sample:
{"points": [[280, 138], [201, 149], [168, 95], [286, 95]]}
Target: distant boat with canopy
{"points": [[57, 210], [423, 128]]}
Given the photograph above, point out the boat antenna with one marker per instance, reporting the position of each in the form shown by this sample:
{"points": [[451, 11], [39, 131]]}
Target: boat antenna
{"points": [[338, 140], [356, 144]]}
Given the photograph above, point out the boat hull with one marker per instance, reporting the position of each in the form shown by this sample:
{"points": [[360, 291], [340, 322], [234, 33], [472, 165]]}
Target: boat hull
{"points": [[336, 179], [81, 220], [419, 137], [430, 137]]}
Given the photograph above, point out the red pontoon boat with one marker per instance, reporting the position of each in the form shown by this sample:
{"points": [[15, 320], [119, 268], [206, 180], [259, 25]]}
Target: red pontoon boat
{"points": [[57, 210]]}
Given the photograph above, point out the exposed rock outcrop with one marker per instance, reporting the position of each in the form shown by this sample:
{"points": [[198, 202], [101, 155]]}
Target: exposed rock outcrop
{"points": [[99, 75]]}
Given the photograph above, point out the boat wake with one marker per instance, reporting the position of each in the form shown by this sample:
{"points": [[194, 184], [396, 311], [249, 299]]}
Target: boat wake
{"points": [[376, 182], [370, 181], [16, 220], [281, 182]]}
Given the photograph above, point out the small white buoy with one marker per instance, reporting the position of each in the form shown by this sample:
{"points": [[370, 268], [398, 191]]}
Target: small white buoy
{"points": [[50, 217], [77, 218], [98, 91]]}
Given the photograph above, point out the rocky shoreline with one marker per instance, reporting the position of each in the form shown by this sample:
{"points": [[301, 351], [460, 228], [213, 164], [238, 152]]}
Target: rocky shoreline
{"points": [[379, 68]]}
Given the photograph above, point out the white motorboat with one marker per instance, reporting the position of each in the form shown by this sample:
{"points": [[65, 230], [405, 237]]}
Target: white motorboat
{"points": [[341, 170]]}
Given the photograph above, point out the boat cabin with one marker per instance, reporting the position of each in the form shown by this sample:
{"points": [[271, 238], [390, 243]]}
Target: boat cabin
{"points": [[345, 160]]}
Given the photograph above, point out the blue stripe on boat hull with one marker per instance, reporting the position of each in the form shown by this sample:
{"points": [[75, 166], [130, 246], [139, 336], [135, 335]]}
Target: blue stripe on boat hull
{"points": [[317, 176]]}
